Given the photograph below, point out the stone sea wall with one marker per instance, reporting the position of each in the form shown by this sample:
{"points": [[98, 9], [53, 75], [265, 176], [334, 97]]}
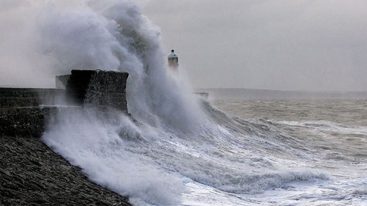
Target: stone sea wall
{"points": [[24, 122], [25, 111], [29, 97], [100, 88], [30, 172]]}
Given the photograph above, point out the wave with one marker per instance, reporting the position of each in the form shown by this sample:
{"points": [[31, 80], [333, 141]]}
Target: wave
{"points": [[150, 164], [327, 126], [103, 149], [175, 137]]}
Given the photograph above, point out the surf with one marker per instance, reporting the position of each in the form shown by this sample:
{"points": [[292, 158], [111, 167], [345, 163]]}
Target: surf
{"points": [[174, 147]]}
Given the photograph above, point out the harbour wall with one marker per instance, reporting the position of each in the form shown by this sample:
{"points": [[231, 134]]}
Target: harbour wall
{"points": [[25, 111], [30, 172]]}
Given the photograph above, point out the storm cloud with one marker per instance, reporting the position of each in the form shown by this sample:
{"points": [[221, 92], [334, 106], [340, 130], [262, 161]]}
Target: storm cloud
{"points": [[267, 44]]}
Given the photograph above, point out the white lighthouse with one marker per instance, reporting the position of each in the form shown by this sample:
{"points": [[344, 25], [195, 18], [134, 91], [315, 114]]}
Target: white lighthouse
{"points": [[173, 60]]}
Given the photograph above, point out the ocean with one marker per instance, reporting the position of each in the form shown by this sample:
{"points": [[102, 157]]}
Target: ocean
{"points": [[248, 151], [242, 147], [318, 132]]}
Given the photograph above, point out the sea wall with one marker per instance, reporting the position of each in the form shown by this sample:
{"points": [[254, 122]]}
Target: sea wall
{"points": [[24, 122], [30, 172], [29, 97], [25, 111], [99, 88]]}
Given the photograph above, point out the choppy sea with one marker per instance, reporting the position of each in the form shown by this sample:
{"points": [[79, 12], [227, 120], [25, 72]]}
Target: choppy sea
{"points": [[323, 135], [241, 147], [253, 150]]}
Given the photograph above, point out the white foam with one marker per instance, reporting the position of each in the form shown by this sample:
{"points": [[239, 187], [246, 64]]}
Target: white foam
{"points": [[94, 144], [328, 126], [174, 141]]}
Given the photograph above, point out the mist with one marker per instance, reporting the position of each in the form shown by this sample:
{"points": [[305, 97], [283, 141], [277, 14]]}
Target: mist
{"points": [[284, 45], [41, 39], [44, 38], [171, 146]]}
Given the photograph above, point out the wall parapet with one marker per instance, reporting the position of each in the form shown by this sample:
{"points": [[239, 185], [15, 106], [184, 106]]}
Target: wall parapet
{"points": [[25, 111]]}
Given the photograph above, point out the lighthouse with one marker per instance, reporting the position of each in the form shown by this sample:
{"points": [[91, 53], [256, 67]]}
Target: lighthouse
{"points": [[173, 60]]}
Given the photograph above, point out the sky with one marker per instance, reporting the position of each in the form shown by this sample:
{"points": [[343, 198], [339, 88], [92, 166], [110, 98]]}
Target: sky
{"points": [[314, 45]]}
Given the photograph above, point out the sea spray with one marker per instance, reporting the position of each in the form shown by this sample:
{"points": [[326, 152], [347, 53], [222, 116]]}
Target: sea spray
{"points": [[113, 35], [88, 34], [99, 144], [171, 143]]}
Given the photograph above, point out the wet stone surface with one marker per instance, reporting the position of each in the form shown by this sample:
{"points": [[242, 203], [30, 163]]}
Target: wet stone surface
{"points": [[32, 174]]}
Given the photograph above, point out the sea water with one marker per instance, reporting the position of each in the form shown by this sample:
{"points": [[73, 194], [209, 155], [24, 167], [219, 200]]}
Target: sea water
{"points": [[324, 135], [252, 152], [179, 149]]}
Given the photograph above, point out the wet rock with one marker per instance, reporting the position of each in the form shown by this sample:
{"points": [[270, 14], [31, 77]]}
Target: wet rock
{"points": [[31, 174]]}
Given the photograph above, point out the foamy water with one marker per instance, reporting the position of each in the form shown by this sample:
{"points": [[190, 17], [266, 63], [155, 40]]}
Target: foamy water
{"points": [[231, 161], [181, 150], [328, 135]]}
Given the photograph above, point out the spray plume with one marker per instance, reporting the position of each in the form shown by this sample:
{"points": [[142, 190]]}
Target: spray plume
{"points": [[47, 38]]}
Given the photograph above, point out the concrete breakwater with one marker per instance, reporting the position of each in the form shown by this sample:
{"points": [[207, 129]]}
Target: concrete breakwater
{"points": [[25, 111], [31, 173]]}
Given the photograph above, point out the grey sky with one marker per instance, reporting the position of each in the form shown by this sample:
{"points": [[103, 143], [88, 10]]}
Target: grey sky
{"points": [[268, 44]]}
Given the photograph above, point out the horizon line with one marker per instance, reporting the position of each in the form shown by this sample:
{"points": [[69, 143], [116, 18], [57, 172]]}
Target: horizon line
{"points": [[284, 90]]}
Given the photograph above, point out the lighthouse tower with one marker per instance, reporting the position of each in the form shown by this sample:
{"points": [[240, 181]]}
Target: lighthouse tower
{"points": [[173, 60]]}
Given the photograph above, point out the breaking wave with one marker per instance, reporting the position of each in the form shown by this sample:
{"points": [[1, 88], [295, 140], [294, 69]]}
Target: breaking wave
{"points": [[176, 139]]}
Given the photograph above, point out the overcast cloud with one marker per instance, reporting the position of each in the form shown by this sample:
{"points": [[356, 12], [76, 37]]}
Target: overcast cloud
{"points": [[267, 44]]}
